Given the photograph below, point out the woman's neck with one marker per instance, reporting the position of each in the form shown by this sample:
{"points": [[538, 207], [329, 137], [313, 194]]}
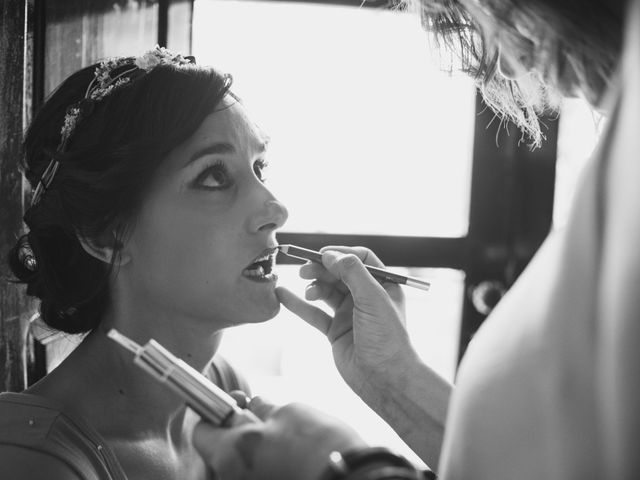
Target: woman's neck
{"points": [[99, 381]]}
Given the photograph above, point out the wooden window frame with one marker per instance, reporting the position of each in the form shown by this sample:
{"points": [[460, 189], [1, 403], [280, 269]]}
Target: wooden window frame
{"points": [[511, 201]]}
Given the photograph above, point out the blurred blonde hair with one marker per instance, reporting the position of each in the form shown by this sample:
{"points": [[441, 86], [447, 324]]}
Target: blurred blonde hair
{"points": [[583, 34]]}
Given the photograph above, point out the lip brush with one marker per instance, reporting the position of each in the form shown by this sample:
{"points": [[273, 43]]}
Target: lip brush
{"points": [[379, 273]]}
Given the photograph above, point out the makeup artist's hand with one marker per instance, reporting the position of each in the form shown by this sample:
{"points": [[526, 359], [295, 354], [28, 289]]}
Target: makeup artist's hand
{"points": [[367, 331], [293, 443], [371, 347]]}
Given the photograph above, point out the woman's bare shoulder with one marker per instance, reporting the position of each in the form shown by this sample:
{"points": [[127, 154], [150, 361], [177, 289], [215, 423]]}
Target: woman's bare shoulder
{"points": [[38, 440], [19, 463]]}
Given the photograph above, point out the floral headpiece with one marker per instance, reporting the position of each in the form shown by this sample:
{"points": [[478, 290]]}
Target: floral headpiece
{"points": [[103, 84]]}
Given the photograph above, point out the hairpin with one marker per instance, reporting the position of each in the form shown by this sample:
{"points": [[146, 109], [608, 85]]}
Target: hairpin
{"points": [[102, 85]]}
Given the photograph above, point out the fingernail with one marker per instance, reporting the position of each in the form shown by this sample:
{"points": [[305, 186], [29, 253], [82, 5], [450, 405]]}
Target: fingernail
{"points": [[240, 397], [332, 255], [311, 292]]}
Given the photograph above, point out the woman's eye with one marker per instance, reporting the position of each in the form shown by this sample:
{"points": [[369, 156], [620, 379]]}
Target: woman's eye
{"points": [[215, 177], [259, 169]]}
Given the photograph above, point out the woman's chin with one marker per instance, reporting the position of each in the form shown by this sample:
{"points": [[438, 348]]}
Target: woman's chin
{"points": [[269, 310], [259, 310], [264, 303]]}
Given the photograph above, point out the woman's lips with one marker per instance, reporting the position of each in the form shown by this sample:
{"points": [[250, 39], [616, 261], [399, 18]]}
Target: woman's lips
{"points": [[261, 269], [259, 275]]}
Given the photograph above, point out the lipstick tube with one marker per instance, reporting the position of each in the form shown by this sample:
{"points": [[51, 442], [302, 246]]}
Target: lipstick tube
{"points": [[207, 399]]}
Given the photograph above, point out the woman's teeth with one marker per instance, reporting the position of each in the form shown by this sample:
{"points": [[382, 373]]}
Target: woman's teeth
{"points": [[259, 274], [261, 269], [255, 272]]}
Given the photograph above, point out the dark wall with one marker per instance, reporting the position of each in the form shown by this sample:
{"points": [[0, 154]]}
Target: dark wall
{"points": [[14, 308]]}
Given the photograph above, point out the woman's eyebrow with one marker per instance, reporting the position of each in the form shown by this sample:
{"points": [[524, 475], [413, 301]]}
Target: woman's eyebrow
{"points": [[213, 149]]}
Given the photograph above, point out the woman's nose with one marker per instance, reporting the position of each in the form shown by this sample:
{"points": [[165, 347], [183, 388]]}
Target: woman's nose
{"points": [[272, 216]]}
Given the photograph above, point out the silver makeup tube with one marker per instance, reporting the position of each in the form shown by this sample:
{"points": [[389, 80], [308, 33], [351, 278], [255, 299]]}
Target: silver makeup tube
{"points": [[208, 400], [379, 273]]}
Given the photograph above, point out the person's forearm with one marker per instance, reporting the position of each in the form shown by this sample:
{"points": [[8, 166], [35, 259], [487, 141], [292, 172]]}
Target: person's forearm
{"points": [[414, 403]]}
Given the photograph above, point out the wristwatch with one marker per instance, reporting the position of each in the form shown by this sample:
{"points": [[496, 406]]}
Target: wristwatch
{"points": [[372, 463]]}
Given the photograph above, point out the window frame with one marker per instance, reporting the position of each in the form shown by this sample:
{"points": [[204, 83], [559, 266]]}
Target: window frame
{"points": [[511, 198]]}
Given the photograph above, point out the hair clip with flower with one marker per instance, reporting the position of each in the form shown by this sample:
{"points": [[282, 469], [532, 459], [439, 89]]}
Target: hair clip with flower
{"points": [[110, 75]]}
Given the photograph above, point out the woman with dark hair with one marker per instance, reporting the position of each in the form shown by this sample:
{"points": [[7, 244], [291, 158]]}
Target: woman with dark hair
{"points": [[149, 215], [549, 387]]}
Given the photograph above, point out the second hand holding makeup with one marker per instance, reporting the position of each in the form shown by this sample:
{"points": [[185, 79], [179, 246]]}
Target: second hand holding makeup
{"points": [[378, 273], [208, 400]]}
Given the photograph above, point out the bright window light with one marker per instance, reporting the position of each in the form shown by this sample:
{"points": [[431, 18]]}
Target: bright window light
{"points": [[368, 134]]}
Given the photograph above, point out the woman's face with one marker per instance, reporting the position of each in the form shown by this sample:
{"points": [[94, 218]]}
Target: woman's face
{"points": [[208, 218]]}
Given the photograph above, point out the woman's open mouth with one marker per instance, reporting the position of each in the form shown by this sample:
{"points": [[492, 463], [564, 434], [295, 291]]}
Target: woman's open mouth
{"points": [[261, 269]]}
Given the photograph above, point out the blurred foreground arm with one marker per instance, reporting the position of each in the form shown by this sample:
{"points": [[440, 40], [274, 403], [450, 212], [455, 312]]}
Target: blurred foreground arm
{"points": [[296, 442]]}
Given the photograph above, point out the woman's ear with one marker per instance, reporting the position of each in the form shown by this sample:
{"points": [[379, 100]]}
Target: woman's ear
{"points": [[107, 248]]}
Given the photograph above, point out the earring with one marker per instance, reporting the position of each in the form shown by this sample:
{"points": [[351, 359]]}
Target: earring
{"points": [[26, 255]]}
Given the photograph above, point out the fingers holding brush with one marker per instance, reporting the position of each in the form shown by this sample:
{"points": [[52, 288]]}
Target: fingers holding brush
{"points": [[317, 272], [330, 293]]}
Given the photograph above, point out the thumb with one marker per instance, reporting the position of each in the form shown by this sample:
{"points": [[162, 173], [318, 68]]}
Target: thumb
{"points": [[206, 437], [262, 408]]}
